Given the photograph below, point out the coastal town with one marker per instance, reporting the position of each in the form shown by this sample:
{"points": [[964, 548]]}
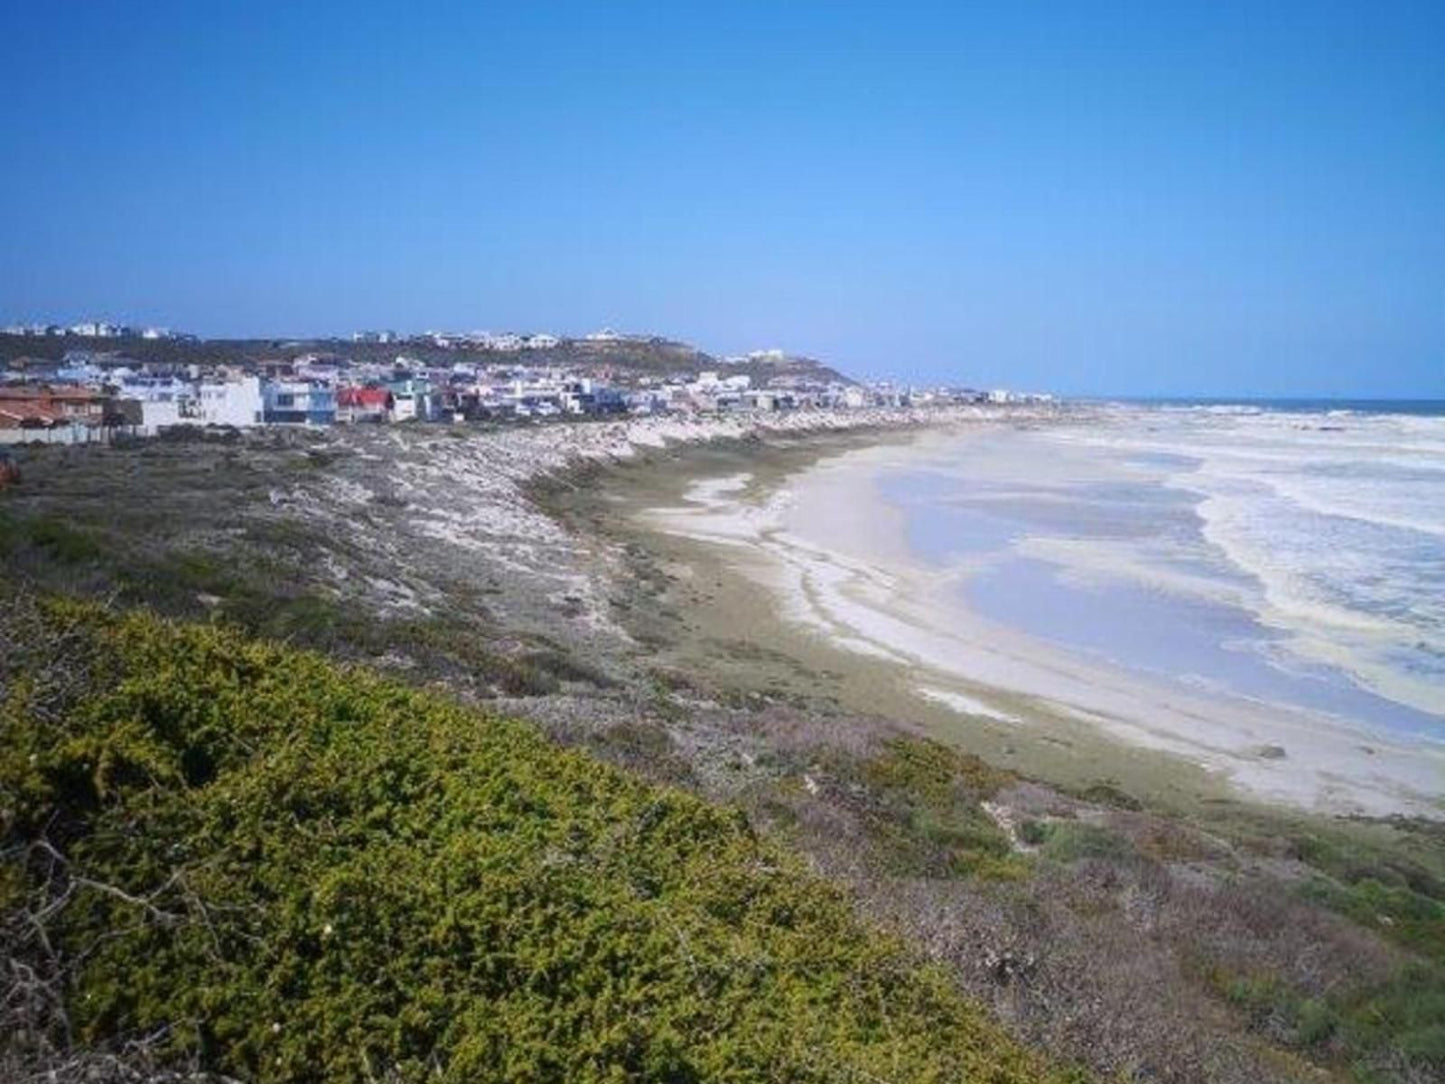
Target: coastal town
{"points": [[103, 383]]}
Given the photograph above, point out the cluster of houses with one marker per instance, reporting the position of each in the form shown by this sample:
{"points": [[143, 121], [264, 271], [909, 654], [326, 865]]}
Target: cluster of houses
{"points": [[89, 396], [93, 329], [54, 412], [98, 394]]}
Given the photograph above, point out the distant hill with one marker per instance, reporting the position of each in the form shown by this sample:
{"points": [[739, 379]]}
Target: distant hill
{"points": [[631, 356]]}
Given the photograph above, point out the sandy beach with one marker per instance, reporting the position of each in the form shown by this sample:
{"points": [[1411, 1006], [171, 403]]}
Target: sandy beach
{"points": [[837, 566], [721, 605]]}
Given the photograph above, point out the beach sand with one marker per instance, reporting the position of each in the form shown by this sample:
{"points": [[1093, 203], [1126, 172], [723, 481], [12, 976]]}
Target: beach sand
{"points": [[804, 559]]}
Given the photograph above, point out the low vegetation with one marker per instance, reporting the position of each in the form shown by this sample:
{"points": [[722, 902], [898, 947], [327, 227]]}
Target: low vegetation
{"points": [[235, 857], [1144, 946], [263, 583], [925, 812], [1221, 943], [1385, 1031]]}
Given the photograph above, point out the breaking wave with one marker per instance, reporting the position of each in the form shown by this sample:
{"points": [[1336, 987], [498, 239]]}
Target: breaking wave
{"points": [[1339, 518]]}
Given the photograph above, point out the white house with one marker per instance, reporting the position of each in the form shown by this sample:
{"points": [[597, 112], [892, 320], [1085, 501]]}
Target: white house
{"points": [[297, 402], [164, 401], [762, 399], [235, 402], [403, 406], [98, 329]]}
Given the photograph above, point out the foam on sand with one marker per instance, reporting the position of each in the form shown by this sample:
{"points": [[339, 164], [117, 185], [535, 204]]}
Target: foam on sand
{"points": [[967, 705]]}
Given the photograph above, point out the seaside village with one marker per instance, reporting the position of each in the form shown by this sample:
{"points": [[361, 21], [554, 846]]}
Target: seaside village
{"points": [[100, 395]]}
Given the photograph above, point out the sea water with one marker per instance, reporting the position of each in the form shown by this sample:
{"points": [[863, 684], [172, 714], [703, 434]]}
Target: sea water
{"points": [[1289, 552]]}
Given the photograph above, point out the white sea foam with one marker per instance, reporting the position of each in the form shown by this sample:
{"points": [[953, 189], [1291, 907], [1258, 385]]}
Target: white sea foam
{"points": [[860, 550], [1339, 519], [1410, 503]]}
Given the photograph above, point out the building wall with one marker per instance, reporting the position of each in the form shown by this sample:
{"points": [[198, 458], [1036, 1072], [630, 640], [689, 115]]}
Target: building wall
{"points": [[292, 402], [74, 433], [233, 402], [158, 414]]}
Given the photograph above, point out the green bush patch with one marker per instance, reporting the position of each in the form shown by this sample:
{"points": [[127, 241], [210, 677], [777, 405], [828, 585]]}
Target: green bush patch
{"points": [[1369, 1030], [925, 813], [276, 868], [1395, 911], [1075, 841], [61, 541]]}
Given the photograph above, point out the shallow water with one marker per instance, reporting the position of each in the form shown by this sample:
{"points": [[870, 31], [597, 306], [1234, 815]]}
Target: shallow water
{"points": [[1292, 557]]}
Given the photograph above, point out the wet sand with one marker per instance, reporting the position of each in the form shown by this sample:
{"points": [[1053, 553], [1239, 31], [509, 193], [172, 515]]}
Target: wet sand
{"points": [[796, 555]]}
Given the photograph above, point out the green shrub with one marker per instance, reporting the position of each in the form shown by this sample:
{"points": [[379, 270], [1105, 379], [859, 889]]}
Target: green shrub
{"points": [[1033, 832], [933, 772], [1316, 1022], [1108, 794], [565, 667], [279, 869], [1395, 911], [925, 812], [61, 541], [523, 678], [1074, 841], [1343, 859], [1384, 1032]]}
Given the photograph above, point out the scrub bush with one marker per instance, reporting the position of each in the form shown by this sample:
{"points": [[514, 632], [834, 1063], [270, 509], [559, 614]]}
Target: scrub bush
{"points": [[1074, 841], [228, 856]]}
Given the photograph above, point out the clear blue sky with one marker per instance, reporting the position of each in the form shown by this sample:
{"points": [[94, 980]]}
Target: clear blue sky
{"points": [[1231, 198]]}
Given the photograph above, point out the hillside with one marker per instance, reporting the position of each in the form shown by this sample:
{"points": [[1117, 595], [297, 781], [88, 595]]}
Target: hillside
{"points": [[1093, 920], [637, 357], [232, 857]]}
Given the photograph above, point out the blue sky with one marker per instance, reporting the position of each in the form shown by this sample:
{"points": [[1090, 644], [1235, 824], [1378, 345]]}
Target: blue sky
{"points": [[1150, 198]]}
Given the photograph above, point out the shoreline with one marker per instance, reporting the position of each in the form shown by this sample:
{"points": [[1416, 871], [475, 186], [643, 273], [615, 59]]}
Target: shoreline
{"points": [[861, 598], [509, 570]]}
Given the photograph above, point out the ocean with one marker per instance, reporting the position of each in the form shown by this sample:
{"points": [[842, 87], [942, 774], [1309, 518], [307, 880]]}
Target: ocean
{"points": [[1289, 552]]}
